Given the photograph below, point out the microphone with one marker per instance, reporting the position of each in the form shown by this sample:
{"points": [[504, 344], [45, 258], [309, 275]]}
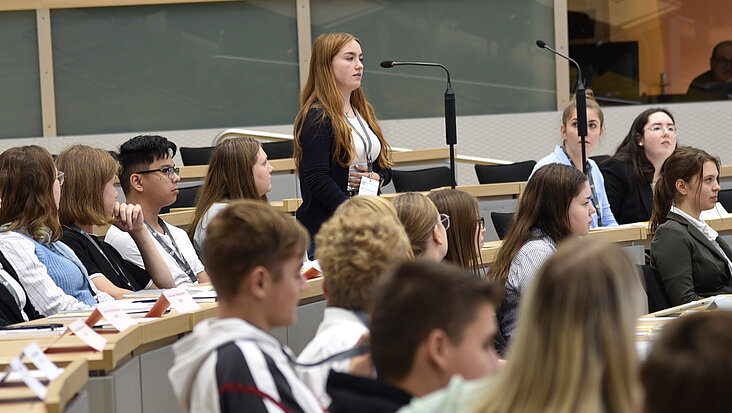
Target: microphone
{"points": [[580, 99], [450, 114]]}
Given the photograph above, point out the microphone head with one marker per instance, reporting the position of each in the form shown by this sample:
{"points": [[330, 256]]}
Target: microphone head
{"points": [[387, 64], [541, 43]]}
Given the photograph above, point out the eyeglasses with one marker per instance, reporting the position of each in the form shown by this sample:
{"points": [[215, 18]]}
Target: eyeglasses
{"points": [[60, 177], [171, 171], [658, 128], [482, 222], [445, 220]]}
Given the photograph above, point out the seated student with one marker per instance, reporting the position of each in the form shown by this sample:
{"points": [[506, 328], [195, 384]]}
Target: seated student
{"points": [[692, 261], [14, 304], [574, 351], [631, 174], [418, 345], [238, 170], [149, 178], [232, 363], [465, 234], [52, 275], [356, 247], [570, 153], [88, 199], [554, 206], [425, 226], [689, 365]]}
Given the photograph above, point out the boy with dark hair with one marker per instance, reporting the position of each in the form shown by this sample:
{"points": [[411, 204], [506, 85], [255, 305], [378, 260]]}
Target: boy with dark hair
{"points": [[149, 178], [233, 363], [429, 322]]}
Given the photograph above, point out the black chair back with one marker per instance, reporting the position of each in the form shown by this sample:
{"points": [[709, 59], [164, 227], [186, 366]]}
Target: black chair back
{"points": [[196, 156], [657, 299], [725, 198], [421, 179], [494, 174], [278, 150], [186, 199], [501, 222]]}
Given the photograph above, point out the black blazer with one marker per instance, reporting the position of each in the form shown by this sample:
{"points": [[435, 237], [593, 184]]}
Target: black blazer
{"points": [[630, 200], [9, 311], [689, 265], [323, 181]]}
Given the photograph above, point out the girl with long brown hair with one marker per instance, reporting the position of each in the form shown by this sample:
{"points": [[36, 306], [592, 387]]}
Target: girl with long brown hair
{"points": [[554, 206], [337, 138], [465, 233], [53, 276], [689, 256], [426, 227], [238, 169]]}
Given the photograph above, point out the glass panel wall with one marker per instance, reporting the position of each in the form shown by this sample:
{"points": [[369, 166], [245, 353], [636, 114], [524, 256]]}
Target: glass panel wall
{"points": [[167, 67], [647, 51], [20, 88], [488, 46]]}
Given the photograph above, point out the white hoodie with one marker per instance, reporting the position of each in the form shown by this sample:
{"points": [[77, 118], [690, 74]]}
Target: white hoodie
{"points": [[230, 365]]}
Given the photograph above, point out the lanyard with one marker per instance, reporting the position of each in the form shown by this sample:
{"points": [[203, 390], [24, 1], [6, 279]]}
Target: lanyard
{"points": [[367, 148], [115, 267], [176, 254], [593, 197]]}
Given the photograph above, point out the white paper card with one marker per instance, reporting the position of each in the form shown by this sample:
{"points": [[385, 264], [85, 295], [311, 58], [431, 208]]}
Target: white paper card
{"points": [[181, 300], [36, 386], [41, 361], [87, 335], [116, 317], [368, 186]]}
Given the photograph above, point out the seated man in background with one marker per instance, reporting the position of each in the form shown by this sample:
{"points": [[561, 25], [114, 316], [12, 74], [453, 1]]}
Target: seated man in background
{"points": [[149, 178], [716, 83], [232, 363], [689, 366], [358, 245], [429, 322]]}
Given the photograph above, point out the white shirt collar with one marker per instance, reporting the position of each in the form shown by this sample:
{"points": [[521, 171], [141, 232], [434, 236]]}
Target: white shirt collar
{"points": [[702, 226]]}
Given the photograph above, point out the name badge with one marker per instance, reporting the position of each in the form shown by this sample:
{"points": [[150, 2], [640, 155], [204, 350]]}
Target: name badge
{"points": [[368, 186]]}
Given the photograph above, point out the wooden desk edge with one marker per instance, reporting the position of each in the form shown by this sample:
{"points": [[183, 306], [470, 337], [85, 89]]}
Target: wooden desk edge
{"points": [[66, 386]]}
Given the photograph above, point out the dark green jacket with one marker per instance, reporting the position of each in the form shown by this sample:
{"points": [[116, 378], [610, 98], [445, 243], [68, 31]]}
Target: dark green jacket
{"points": [[689, 265]]}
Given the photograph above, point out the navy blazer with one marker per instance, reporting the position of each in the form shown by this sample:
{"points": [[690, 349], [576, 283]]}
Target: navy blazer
{"points": [[630, 200], [689, 265], [323, 181]]}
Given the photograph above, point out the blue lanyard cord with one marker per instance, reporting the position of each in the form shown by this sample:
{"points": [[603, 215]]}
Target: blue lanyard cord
{"points": [[173, 252], [593, 196]]}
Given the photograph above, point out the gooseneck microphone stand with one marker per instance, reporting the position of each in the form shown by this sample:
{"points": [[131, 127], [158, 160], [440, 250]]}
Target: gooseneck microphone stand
{"points": [[580, 99], [450, 117]]}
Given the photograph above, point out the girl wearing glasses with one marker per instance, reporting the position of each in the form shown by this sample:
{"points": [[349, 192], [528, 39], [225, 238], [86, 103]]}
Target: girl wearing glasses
{"points": [[691, 259], [337, 139], [425, 226], [89, 198], [465, 232], [50, 272], [555, 205], [238, 169], [570, 153], [631, 174]]}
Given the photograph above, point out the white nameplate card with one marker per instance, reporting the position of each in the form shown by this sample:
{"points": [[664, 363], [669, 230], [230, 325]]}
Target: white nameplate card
{"points": [[16, 365], [368, 186], [87, 335], [112, 313], [178, 298], [41, 361]]}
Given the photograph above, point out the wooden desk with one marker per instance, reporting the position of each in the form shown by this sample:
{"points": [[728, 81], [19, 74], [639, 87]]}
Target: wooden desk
{"points": [[19, 398]]}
